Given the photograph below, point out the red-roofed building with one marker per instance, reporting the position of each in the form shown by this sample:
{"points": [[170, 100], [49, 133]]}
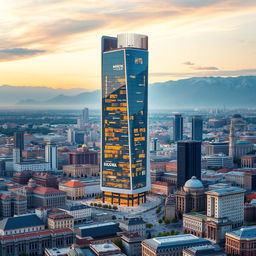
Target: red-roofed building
{"points": [[34, 243], [162, 188], [75, 189], [132, 244]]}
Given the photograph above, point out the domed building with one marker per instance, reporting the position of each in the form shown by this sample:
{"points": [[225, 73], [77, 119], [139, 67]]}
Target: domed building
{"points": [[190, 197]]}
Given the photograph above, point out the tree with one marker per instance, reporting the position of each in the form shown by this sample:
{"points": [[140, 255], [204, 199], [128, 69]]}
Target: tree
{"points": [[158, 210], [113, 217], [166, 221], [172, 232], [149, 225], [174, 220], [115, 208], [160, 221]]}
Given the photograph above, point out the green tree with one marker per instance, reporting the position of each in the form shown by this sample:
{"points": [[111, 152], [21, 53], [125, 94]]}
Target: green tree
{"points": [[160, 221], [174, 220], [158, 210], [113, 217], [118, 242], [166, 221], [149, 225]]}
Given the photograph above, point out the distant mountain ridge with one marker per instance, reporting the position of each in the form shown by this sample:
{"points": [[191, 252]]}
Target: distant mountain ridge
{"points": [[191, 92]]}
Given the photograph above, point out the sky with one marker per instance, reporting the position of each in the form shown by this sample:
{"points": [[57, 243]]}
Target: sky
{"points": [[56, 43]]}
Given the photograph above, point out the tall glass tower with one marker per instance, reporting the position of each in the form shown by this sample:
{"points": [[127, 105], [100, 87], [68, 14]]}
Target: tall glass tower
{"points": [[125, 176], [197, 128], [178, 127]]}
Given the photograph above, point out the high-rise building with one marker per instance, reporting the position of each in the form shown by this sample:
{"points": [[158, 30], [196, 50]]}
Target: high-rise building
{"points": [[125, 176], [232, 139], [51, 155], [83, 120], [178, 127], [197, 128], [19, 141], [154, 145], [188, 161], [85, 116]]}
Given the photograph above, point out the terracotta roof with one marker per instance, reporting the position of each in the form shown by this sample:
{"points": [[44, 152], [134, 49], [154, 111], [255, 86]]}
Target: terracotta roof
{"points": [[132, 235], [5, 196], [74, 183], [36, 234], [46, 190], [20, 197], [60, 216]]}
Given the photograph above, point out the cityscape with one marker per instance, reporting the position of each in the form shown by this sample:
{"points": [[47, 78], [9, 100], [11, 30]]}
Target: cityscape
{"points": [[118, 158]]}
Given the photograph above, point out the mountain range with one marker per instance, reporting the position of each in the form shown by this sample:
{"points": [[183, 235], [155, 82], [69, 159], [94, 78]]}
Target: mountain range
{"points": [[184, 93]]}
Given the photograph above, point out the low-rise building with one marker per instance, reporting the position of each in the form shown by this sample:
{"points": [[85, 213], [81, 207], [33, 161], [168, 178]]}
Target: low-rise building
{"points": [[75, 189], [81, 213], [205, 250], [98, 233], [134, 225], [161, 188], [190, 197], [60, 219], [35, 243], [218, 161], [132, 244], [241, 242], [50, 197], [171, 245], [170, 208], [21, 224], [109, 249], [248, 161], [81, 170]]}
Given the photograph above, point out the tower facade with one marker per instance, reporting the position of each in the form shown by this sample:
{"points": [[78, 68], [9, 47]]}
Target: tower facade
{"points": [[51, 155], [125, 176], [178, 128], [197, 128], [19, 142], [232, 139], [188, 161]]}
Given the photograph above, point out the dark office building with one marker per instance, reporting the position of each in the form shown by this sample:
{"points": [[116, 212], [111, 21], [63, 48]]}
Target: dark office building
{"points": [[188, 161], [83, 156], [19, 141], [197, 128], [178, 127]]}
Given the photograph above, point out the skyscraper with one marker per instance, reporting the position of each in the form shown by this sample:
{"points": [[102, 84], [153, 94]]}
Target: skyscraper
{"points": [[188, 161], [19, 142], [197, 128], [178, 127], [51, 155], [125, 176], [232, 139], [85, 116]]}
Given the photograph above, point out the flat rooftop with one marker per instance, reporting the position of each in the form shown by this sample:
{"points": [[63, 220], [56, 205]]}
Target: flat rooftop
{"points": [[173, 241], [225, 191]]}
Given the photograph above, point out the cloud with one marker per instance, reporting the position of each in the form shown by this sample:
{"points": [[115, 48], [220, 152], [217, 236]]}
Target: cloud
{"points": [[54, 24], [189, 63], [192, 66], [204, 68], [16, 53]]}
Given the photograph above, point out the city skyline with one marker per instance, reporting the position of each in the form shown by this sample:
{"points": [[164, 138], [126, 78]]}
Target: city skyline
{"points": [[210, 38]]}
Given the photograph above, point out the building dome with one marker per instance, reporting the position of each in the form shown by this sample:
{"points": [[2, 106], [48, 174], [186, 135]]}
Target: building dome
{"points": [[193, 185]]}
